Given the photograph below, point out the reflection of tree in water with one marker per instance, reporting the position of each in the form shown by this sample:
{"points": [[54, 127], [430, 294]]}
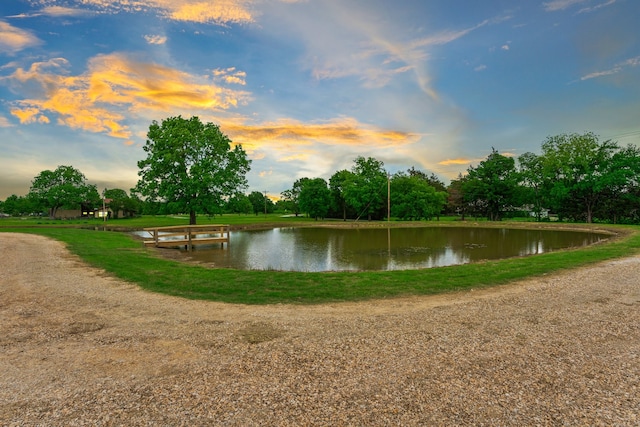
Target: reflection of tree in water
{"points": [[359, 249]]}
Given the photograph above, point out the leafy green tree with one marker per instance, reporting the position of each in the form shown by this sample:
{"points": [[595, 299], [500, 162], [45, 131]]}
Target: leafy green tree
{"points": [[191, 166], [366, 189], [239, 203], [492, 186], [337, 184], [13, 206], [413, 198], [119, 201], [315, 198], [432, 179], [291, 197], [63, 187], [455, 197], [581, 173], [532, 179], [258, 202]]}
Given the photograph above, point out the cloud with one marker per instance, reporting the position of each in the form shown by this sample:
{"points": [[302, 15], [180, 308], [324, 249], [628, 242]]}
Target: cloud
{"points": [[202, 11], [155, 39], [358, 46], [596, 7], [114, 89], [629, 63], [230, 76], [457, 162], [4, 122], [13, 39], [58, 11], [344, 131], [54, 11], [556, 5], [481, 67]]}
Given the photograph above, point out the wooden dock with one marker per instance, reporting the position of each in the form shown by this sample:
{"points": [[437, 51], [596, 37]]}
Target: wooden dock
{"points": [[187, 236]]}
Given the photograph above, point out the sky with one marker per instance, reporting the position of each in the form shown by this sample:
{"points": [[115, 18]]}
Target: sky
{"points": [[307, 86]]}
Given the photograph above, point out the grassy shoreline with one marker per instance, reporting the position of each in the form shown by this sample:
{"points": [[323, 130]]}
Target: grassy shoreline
{"points": [[124, 257]]}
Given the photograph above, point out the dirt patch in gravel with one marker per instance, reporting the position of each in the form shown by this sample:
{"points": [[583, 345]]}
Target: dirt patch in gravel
{"points": [[78, 347]]}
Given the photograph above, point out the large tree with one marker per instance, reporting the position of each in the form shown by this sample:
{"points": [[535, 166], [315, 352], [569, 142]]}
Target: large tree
{"points": [[366, 188], [191, 165], [63, 187], [239, 203], [337, 183], [291, 196], [260, 203], [581, 173], [315, 198], [492, 186], [412, 197], [532, 181], [455, 196]]}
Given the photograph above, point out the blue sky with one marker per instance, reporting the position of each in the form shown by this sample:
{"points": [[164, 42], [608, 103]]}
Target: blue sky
{"points": [[306, 86]]}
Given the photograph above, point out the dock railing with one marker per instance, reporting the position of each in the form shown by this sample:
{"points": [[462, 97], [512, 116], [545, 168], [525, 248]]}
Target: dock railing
{"points": [[187, 235]]}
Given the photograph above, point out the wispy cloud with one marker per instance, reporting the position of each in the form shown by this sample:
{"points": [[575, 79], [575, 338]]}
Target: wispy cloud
{"points": [[344, 131], [13, 39], [556, 5], [59, 11], [155, 39], [458, 162], [113, 88], [379, 56], [4, 122], [596, 7], [629, 63], [55, 11]]}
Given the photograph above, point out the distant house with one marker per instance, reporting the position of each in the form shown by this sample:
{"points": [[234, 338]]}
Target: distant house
{"points": [[543, 212], [84, 211], [106, 211]]}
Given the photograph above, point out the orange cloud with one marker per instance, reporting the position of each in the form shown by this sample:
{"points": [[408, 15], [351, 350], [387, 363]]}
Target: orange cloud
{"points": [[340, 131], [113, 88], [202, 11], [218, 11], [453, 162], [230, 76]]}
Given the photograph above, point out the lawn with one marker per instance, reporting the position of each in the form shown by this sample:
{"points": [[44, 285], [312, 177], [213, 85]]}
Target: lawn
{"points": [[123, 256]]}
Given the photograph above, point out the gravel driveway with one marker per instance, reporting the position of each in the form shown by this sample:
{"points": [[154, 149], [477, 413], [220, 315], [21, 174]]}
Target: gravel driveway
{"points": [[78, 347]]}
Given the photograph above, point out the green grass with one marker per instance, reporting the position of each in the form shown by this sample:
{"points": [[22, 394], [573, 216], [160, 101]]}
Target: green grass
{"points": [[125, 257], [155, 221]]}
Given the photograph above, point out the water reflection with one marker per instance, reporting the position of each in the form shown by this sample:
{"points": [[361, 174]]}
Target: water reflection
{"points": [[358, 249]]}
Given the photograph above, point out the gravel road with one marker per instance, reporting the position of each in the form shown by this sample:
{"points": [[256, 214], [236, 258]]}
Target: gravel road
{"points": [[80, 348]]}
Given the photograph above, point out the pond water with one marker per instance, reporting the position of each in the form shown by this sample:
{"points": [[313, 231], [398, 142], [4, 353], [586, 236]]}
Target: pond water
{"points": [[370, 249]]}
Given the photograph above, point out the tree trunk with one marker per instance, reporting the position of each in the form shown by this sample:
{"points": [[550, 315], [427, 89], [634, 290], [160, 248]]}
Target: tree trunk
{"points": [[192, 217]]}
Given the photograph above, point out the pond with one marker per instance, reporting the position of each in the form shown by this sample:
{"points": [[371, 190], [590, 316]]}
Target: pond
{"points": [[376, 249]]}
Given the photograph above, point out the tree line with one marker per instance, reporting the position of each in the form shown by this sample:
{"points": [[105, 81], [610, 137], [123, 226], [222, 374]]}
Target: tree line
{"points": [[194, 168]]}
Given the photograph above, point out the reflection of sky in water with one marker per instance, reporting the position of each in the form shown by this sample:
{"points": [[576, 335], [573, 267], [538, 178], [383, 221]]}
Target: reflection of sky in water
{"points": [[337, 249]]}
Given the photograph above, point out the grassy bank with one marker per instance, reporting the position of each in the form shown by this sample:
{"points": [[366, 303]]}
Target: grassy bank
{"points": [[126, 258]]}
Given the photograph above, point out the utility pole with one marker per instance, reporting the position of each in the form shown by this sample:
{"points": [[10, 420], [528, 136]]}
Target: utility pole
{"points": [[265, 202], [388, 197]]}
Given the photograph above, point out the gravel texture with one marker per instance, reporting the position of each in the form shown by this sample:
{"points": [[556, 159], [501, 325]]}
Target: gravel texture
{"points": [[80, 348]]}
